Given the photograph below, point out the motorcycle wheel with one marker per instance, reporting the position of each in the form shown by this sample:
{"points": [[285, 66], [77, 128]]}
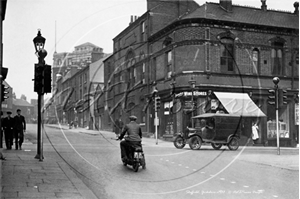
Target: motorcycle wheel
{"points": [[216, 146], [233, 144], [179, 142], [195, 143], [135, 166]]}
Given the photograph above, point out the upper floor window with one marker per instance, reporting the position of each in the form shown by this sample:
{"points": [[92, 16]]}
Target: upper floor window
{"points": [[169, 63], [143, 32], [277, 58], [227, 55], [207, 33], [255, 61]]}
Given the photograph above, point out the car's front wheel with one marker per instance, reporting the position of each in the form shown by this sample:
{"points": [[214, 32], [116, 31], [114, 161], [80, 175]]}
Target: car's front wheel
{"points": [[195, 142]]}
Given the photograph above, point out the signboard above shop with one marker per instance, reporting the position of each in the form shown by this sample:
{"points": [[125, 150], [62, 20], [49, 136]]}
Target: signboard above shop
{"points": [[187, 93]]}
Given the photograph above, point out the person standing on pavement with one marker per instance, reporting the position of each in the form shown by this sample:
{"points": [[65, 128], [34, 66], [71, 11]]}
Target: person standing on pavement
{"points": [[1, 131], [19, 128], [134, 136], [255, 135], [8, 124]]}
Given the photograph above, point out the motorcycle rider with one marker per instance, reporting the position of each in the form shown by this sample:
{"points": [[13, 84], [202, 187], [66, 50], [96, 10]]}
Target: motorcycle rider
{"points": [[134, 138]]}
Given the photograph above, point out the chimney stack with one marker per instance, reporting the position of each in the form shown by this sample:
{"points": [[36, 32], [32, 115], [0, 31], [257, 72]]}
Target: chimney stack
{"points": [[226, 5], [296, 5], [263, 5]]}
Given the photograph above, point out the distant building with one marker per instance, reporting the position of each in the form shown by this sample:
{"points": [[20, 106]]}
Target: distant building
{"points": [[7, 104], [27, 109], [74, 76]]}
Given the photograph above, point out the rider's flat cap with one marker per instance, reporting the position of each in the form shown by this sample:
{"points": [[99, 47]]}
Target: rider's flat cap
{"points": [[8, 112]]}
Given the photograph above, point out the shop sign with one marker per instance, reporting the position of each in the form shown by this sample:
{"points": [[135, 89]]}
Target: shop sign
{"points": [[297, 114], [196, 93]]}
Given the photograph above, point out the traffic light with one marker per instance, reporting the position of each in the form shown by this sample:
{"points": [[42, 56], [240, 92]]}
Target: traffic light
{"points": [[47, 79], [42, 78], [272, 97], [5, 92], [157, 103], [38, 78], [282, 98]]}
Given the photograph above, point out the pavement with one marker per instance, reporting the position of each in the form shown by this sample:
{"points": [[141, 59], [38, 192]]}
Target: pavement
{"points": [[23, 176]]}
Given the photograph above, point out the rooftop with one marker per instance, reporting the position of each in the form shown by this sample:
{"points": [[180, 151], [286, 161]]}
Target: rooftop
{"points": [[247, 15]]}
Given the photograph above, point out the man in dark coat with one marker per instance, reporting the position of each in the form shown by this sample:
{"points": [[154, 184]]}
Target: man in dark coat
{"points": [[8, 124], [134, 136], [19, 128]]}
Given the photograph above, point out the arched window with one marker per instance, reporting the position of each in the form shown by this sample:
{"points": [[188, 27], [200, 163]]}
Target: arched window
{"points": [[227, 55], [255, 61]]}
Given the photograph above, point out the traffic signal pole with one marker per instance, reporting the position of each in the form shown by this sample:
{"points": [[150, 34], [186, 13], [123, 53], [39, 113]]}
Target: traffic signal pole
{"points": [[156, 127], [42, 84], [277, 117]]}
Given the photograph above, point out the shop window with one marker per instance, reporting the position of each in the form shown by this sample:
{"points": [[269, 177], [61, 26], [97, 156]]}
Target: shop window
{"points": [[284, 123], [227, 55]]}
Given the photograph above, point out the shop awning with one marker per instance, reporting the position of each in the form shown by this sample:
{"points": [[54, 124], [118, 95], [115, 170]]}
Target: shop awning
{"points": [[240, 104]]}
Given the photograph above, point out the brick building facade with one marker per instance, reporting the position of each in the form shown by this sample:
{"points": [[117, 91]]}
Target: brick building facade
{"points": [[222, 47], [72, 80]]}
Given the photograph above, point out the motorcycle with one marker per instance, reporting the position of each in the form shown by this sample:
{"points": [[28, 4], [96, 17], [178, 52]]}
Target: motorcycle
{"points": [[136, 157]]}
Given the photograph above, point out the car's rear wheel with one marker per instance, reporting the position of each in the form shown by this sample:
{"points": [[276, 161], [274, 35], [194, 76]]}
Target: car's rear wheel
{"points": [[233, 144]]}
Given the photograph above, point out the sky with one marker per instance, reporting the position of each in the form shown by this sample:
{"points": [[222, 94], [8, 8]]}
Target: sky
{"points": [[68, 23]]}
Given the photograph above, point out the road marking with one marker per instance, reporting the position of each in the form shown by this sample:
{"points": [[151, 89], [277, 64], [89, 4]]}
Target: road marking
{"points": [[233, 182], [275, 196], [180, 165], [222, 178], [246, 186], [27, 150], [186, 167], [194, 169], [172, 162], [202, 172], [167, 160]]}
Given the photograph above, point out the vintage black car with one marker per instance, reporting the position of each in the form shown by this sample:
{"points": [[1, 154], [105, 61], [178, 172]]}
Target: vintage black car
{"points": [[216, 128]]}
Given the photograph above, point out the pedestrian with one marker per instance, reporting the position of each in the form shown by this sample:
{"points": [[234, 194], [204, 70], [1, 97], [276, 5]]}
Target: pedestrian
{"points": [[19, 128], [8, 124], [1, 131], [255, 135]]}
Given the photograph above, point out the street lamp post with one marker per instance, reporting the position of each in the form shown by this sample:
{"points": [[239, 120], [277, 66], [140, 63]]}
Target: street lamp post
{"points": [[192, 82], [39, 43]]}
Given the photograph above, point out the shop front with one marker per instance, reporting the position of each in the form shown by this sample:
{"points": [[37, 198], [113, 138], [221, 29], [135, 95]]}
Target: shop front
{"points": [[177, 113]]}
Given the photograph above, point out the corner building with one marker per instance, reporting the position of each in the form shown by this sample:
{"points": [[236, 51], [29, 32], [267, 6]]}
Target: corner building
{"points": [[221, 47]]}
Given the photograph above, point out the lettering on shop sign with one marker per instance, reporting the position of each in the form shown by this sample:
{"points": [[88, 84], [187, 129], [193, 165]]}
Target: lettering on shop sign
{"points": [[196, 93]]}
